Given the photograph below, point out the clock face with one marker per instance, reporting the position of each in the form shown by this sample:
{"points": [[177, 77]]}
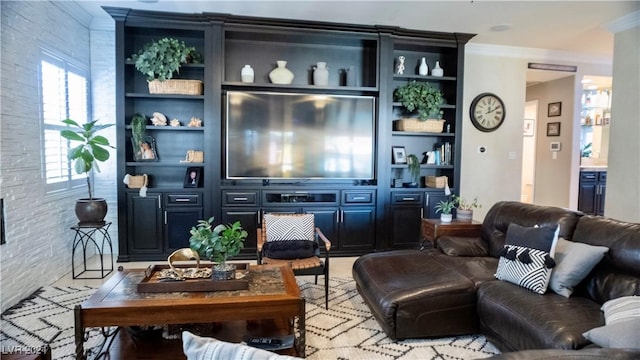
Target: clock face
{"points": [[487, 112]]}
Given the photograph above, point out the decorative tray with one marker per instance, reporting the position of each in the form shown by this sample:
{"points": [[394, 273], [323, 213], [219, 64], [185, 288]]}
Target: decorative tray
{"points": [[151, 283]]}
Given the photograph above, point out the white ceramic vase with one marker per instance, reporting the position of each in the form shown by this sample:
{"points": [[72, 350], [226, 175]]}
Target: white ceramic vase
{"points": [[437, 70], [423, 69], [321, 74], [247, 74], [446, 218], [352, 76], [281, 75]]}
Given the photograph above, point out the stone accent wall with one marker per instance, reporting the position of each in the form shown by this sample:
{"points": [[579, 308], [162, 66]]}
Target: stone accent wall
{"points": [[39, 241]]}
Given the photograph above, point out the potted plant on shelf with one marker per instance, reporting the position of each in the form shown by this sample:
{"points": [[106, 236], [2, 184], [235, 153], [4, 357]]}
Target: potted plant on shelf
{"points": [[138, 129], [464, 211], [426, 100], [445, 207], [93, 149], [160, 60], [414, 170], [218, 244]]}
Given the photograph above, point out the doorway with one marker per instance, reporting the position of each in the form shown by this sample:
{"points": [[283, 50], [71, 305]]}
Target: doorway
{"points": [[527, 191]]}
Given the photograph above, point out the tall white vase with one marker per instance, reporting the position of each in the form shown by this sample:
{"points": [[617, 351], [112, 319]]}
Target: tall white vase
{"points": [[281, 75], [437, 70], [423, 69], [321, 74]]}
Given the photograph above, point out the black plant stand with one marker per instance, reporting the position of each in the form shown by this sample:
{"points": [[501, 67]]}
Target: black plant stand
{"points": [[85, 235]]}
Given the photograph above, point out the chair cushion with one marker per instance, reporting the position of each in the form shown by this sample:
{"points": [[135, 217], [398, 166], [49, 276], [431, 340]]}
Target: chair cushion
{"points": [[526, 259], [289, 227], [289, 249], [295, 264], [574, 261]]}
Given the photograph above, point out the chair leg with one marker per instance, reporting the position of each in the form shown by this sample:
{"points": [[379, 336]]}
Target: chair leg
{"points": [[326, 290], [316, 280]]}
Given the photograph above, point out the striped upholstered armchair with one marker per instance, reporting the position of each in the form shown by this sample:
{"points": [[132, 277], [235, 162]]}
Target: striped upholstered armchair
{"points": [[293, 239]]}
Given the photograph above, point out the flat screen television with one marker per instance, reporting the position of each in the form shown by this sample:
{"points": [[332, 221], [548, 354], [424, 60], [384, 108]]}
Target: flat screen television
{"points": [[299, 136]]}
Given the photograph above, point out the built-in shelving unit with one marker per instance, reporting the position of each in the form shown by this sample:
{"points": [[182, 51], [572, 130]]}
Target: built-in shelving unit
{"points": [[359, 215]]}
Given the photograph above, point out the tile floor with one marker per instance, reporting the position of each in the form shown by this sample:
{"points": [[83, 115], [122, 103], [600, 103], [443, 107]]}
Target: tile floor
{"points": [[338, 266]]}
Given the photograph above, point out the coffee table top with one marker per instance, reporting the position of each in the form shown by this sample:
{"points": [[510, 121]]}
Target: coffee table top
{"points": [[272, 290]]}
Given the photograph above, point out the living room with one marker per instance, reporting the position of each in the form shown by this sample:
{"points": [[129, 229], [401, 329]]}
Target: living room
{"points": [[493, 69]]}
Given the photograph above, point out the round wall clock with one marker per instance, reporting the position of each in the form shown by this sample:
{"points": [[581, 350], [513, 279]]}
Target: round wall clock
{"points": [[487, 112]]}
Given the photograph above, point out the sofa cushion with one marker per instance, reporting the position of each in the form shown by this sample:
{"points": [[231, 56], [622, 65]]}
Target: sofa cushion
{"points": [[514, 318], [526, 259], [201, 348], [574, 261], [463, 246], [290, 249]]}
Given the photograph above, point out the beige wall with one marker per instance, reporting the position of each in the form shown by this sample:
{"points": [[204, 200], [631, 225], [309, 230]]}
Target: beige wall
{"points": [[496, 175], [622, 199]]}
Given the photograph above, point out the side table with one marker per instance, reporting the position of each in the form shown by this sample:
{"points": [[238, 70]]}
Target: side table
{"points": [[432, 229], [86, 235]]}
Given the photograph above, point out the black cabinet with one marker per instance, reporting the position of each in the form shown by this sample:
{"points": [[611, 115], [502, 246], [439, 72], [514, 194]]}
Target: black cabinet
{"points": [[591, 195], [407, 210]]}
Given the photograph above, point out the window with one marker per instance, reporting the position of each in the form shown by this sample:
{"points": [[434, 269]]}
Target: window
{"points": [[64, 94]]}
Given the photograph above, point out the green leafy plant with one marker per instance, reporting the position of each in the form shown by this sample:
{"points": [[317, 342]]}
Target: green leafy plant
{"points": [[414, 167], [465, 205], [218, 243], [138, 129], [93, 148], [445, 206], [420, 96], [586, 150], [161, 59]]}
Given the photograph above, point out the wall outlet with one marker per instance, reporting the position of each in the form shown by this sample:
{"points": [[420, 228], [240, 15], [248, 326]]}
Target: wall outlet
{"points": [[482, 149]]}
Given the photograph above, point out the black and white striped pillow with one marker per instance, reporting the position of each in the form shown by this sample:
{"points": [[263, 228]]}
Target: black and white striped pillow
{"points": [[288, 227]]}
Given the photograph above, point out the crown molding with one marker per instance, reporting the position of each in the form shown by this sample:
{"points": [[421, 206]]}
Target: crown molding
{"points": [[540, 55], [624, 23]]}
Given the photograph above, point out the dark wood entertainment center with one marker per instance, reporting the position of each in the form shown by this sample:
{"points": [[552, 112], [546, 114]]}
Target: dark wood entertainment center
{"points": [[358, 215]]}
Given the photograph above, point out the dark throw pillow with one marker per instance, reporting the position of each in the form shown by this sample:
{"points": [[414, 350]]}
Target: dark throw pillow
{"points": [[289, 249]]}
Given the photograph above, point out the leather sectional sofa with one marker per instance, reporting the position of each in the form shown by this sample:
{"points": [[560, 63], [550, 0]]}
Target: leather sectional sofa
{"points": [[452, 289]]}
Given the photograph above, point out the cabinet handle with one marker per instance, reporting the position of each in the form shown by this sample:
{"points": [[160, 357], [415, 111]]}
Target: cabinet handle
{"points": [[240, 199], [408, 199], [182, 200], [159, 202], [165, 217], [338, 216], [358, 198], [421, 212], [341, 216], [426, 200]]}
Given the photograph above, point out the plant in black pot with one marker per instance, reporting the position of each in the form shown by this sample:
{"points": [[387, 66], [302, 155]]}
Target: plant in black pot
{"points": [[93, 149], [218, 244]]}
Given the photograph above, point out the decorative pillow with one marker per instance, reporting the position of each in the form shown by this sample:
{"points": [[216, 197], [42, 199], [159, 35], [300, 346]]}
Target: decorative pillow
{"points": [[463, 246], [526, 259], [287, 227], [574, 261], [201, 348], [624, 334], [621, 309], [290, 249]]}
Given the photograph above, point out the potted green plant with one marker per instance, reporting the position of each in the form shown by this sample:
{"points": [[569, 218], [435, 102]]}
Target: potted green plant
{"points": [[464, 211], [218, 244], [160, 60], [445, 207], [420, 96], [138, 129], [414, 170], [93, 149]]}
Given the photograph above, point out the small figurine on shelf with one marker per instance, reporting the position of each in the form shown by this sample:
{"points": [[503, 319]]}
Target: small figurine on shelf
{"points": [[174, 122], [400, 67], [195, 122], [159, 119]]}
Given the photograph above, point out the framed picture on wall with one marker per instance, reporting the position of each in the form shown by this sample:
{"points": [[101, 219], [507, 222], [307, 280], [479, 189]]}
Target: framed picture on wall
{"points": [[553, 129], [529, 127], [554, 109], [399, 155]]}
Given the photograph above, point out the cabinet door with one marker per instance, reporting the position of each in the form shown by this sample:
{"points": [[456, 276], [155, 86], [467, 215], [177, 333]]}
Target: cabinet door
{"points": [[602, 189], [431, 201], [178, 221], [248, 218], [587, 197], [327, 220], [405, 226], [144, 224], [357, 228]]}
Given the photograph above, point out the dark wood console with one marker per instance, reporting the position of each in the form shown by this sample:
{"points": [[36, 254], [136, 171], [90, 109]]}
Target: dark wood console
{"points": [[358, 215]]}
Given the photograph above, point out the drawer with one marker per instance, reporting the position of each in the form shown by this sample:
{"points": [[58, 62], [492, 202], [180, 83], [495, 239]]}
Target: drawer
{"points": [[589, 176], [183, 199], [602, 176], [240, 197], [407, 198], [357, 197]]}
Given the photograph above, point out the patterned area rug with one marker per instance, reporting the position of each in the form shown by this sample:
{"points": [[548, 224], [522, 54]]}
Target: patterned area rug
{"points": [[347, 331]]}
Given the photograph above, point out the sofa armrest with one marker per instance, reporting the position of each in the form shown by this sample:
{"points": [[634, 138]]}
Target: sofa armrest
{"points": [[463, 246]]}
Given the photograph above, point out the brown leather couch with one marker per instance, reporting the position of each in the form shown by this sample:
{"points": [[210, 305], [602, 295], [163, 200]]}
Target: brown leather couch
{"points": [[452, 290]]}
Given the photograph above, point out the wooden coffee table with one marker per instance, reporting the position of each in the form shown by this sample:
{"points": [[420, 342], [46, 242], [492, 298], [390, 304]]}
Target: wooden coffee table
{"points": [[273, 294]]}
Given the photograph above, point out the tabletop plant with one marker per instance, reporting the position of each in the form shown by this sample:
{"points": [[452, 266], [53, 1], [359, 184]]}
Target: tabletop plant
{"points": [[414, 168], [420, 96], [93, 148], [464, 204], [163, 58], [445, 206], [219, 243]]}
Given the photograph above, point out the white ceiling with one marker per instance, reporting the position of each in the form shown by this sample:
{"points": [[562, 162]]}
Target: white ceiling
{"points": [[572, 26]]}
